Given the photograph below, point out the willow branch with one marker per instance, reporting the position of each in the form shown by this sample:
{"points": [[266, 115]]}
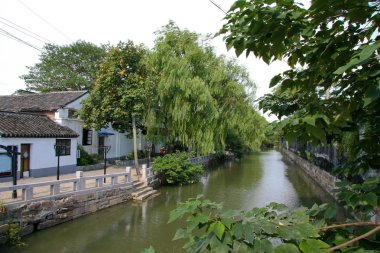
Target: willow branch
{"points": [[355, 239], [355, 224]]}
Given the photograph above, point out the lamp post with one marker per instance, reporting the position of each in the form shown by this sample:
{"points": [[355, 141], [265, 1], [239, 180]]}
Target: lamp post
{"points": [[58, 152], [12, 153], [105, 150]]}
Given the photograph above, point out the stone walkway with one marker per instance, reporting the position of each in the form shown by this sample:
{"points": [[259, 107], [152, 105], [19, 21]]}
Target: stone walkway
{"points": [[42, 191]]}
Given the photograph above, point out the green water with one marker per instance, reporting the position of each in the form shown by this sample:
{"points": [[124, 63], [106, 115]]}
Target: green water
{"points": [[256, 180]]}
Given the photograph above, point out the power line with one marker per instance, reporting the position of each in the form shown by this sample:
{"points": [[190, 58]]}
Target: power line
{"points": [[218, 6], [47, 22], [30, 33], [11, 36]]}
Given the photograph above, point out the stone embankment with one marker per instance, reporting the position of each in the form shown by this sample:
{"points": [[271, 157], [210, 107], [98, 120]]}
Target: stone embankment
{"points": [[46, 204], [322, 177], [40, 208]]}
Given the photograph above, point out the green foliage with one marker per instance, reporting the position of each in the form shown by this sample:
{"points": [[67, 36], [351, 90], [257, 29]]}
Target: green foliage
{"points": [[200, 98], [362, 199], [332, 49], [67, 67], [269, 229], [120, 89], [209, 229], [14, 234], [85, 158], [121, 93], [176, 168]]}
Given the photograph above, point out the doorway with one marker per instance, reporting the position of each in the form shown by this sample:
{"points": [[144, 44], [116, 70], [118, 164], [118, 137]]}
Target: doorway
{"points": [[25, 160]]}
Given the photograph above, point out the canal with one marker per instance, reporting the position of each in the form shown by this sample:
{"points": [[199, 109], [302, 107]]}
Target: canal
{"points": [[256, 180]]}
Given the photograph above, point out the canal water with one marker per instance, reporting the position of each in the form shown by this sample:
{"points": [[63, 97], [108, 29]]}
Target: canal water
{"points": [[254, 181]]}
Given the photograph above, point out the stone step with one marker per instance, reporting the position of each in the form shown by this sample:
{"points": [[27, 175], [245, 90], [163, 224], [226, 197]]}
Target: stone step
{"points": [[141, 191], [147, 195], [137, 184]]}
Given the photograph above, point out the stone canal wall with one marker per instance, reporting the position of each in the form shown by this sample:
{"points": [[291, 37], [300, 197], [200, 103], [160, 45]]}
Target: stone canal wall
{"points": [[322, 177], [50, 211]]}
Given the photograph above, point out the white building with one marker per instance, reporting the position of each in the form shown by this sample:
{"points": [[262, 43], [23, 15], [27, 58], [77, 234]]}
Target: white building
{"points": [[61, 107], [35, 138]]}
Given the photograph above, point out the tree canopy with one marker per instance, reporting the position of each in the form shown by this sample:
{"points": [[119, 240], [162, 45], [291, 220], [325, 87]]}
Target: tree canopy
{"points": [[67, 67], [121, 92], [333, 85], [331, 94], [200, 97]]}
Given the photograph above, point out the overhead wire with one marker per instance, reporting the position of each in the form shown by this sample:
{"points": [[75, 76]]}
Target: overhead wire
{"points": [[14, 37], [22, 30], [47, 22], [218, 6]]}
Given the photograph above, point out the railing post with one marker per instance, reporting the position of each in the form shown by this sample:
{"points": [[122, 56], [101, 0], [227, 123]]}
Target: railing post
{"points": [[143, 172], [80, 184], [28, 193], [113, 180], [99, 182], [56, 188], [128, 170]]}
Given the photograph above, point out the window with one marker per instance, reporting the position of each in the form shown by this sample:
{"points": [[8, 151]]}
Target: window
{"points": [[86, 137], [72, 114], [62, 147]]}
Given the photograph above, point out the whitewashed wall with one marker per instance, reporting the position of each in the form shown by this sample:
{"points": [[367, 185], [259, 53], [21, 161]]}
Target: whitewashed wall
{"points": [[120, 144], [42, 153]]}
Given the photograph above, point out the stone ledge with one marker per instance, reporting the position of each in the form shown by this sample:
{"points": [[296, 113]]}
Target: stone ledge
{"points": [[322, 177]]}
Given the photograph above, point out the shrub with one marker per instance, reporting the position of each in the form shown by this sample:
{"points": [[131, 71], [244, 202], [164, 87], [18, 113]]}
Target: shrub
{"points": [[85, 158], [176, 168]]}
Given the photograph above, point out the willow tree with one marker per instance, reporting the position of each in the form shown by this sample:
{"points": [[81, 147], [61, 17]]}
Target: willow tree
{"points": [[199, 96], [119, 97], [185, 111]]}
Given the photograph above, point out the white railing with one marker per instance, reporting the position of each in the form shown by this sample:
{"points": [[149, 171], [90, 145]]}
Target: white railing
{"points": [[54, 188]]}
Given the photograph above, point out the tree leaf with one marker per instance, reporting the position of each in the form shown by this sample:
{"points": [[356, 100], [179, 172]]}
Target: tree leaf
{"points": [[372, 94], [275, 80], [218, 228], [286, 248], [371, 199], [313, 246], [262, 246]]}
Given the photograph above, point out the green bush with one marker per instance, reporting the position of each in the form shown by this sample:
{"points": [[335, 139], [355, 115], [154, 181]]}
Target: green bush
{"points": [[176, 168], [85, 158]]}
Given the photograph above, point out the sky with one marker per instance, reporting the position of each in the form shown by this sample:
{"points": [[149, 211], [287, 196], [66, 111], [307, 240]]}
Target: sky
{"points": [[65, 21]]}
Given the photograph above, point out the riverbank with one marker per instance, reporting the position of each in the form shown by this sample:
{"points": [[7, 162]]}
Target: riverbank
{"points": [[254, 181], [320, 176]]}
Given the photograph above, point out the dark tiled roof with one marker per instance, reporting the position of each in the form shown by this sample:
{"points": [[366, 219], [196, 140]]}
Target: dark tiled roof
{"points": [[32, 126], [38, 102]]}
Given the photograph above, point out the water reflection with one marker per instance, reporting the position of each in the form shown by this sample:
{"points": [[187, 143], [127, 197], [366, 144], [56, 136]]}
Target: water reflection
{"points": [[256, 180]]}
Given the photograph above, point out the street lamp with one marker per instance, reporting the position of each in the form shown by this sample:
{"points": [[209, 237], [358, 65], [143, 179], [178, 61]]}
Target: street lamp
{"points": [[59, 149], [104, 149], [12, 153]]}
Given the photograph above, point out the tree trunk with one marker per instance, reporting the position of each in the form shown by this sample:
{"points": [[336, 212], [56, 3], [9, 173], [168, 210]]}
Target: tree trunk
{"points": [[134, 132]]}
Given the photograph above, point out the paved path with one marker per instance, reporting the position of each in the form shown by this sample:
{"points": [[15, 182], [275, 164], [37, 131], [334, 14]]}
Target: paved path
{"points": [[42, 191]]}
